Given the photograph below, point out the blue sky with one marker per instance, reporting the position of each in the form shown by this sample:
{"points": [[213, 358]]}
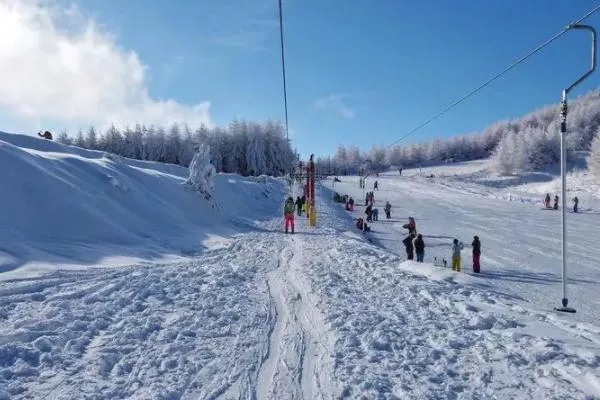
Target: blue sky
{"points": [[359, 72]]}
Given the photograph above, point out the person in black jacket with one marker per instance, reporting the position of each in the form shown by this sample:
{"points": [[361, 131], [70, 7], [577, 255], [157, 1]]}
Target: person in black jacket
{"points": [[420, 248], [476, 253], [408, 244], [369, 212], [299, 205]]}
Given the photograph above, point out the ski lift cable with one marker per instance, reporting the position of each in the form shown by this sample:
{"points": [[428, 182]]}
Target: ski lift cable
{"points": [[495, 77], [283, 71]]}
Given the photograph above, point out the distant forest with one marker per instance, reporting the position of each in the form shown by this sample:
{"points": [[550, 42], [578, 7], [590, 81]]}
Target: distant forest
{"points": [[244, 148], [529, 143], [526, 144]]}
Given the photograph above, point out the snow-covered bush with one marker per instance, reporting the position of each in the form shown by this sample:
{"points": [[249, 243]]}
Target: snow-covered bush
{"points": [[202, 173]]}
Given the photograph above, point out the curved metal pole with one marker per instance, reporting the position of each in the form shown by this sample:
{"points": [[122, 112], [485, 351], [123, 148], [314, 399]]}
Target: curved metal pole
{"points": [[593, 67], [563, 164]]}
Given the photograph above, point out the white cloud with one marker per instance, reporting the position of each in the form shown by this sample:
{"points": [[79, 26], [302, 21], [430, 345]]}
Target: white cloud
{"points": [[56, 65], [335, 103]]}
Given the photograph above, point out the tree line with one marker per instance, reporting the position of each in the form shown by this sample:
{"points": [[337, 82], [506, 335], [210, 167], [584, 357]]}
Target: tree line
{"points": [[529, 143], [245, 148]]}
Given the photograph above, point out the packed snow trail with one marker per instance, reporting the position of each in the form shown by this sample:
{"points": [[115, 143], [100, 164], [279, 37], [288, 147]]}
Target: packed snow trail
{"points": [[298, 366]]}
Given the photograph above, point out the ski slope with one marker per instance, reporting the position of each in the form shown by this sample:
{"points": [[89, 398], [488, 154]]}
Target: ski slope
{"points": [[239, 310], [521, 242]]}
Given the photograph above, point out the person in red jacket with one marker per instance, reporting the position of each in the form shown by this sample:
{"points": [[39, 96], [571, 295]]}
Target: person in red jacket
{"points": [[288, 213]]}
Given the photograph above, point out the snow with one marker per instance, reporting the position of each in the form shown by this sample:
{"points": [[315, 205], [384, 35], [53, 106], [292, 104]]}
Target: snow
{"points": [[218, 303], [69, 207]]}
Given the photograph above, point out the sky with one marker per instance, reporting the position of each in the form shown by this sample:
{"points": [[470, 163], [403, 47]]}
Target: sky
{"points": [[359, 72]]}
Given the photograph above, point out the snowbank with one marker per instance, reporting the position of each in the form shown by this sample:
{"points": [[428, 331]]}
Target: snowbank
{"points": [[69, 206]]}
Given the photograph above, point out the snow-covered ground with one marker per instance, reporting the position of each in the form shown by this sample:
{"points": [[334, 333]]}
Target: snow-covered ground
{"points": [[63, 205], [246, 312]]}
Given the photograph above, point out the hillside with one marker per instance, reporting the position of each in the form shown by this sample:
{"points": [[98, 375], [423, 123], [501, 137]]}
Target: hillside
{"points": [[66, 206]]}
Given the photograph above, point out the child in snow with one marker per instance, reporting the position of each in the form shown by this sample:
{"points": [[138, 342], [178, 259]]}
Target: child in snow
{"points": [[375, 214], [408, 244], [556, 202], [288, 213], [547, 200], [575, 204], [351, 203], [388, 210], [476, 253], [362, 225], [375, 186], [420, 248], [457, 246]]}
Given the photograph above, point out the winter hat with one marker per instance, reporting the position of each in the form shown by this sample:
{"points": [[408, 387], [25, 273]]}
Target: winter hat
{"points": [[455, 240], [476, 237]]}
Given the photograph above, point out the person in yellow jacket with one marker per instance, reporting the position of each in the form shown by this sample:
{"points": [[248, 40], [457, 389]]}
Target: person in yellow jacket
{"points": [[457, 246], [288, 213]]}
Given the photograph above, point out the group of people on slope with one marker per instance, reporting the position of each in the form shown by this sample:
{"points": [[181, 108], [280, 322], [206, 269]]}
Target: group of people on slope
{"points": [[555, 205], [415, 244]]}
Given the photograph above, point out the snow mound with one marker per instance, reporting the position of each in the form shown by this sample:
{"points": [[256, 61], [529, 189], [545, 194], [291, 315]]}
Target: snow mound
{"points": [[67, 206]]}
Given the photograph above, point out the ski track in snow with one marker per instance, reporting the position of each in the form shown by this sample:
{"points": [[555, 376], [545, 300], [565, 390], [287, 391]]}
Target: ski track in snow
{"points": [[298, 353]]}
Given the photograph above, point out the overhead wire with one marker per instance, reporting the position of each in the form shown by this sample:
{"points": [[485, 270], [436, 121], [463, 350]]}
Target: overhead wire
{"points": [[495, 77], [283, 72]]}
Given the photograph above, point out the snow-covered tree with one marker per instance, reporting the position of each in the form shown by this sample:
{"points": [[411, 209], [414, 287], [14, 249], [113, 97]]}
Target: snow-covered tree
{"points": [[79, 140], [202, 173], [64, 138], [91, 141]]}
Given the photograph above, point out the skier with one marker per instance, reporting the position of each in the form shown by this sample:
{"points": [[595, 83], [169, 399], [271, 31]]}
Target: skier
{"points": [[388, 210], [288, 212], [419, 247], [547, 200], [575, 204], [476, 253], [375, 186], [556, 202], [299, 205], [457, 246]]}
